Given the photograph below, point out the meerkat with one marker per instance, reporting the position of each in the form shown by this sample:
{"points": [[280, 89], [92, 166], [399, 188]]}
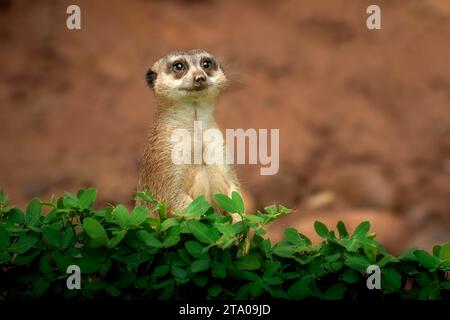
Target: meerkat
{"points": [[187, 85]]}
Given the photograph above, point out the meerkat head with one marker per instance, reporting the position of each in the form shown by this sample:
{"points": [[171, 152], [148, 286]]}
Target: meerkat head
{"points": [[186, 75]]}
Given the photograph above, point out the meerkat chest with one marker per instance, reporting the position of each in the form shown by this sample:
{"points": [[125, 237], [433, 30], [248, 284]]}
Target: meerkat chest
{"points": [[199, 153], [209, 174], [195, 138]]}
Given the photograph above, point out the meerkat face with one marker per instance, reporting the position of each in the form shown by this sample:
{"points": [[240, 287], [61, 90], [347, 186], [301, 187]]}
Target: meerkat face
{"points": [[186, 75]]}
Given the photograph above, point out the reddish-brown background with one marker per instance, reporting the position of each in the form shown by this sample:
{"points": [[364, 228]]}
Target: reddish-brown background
{"points": [[364, 116]]}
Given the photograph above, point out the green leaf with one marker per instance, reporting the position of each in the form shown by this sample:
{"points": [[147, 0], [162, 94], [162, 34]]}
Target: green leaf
{"points": [[196, 208], [249, 262], [214, 290], [45, 267], [126, 279], [370, 253], [390, 279], [446, 285], [114, 241], [146, 196], [342, 229], [52, 216], [257, 288], [87, 198], [226, 203], [195, 249], [253, 218], [321, 229], [70, 201], [149, 239], [113, 291], [39, 288], [299, 289], [52, 236], [172, 237], [200, 265], [243, 292], [284, 251], [202, 232], [336, 292], [24, 244], [178, 272], [22, 260], [62, 261], [356, 262], [33, 212], [4, 257], [67, 237], [444, 253], [162, 210], [219, 270], [96, 231], [160, 271], [350, 276], [361, 230], [238, 202], [409, 255], [138, 216], [273, 281], [3, 198], [226, 229], [387, 260], [167, 291], [424, 279], [294, 237], [168, 223], [336, 265], [436, 250], [16, 215], [428, 261], [4, 238], [121, 216]]}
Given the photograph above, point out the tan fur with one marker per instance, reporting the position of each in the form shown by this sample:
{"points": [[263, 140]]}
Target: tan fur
{"points": [[179, 184]]}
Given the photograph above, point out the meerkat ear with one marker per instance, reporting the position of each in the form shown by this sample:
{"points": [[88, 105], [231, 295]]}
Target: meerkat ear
{"points": [[150, 76]]}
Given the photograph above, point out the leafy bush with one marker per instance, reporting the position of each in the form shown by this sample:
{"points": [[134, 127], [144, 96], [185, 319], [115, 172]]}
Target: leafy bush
{"points": [[197, 253]]}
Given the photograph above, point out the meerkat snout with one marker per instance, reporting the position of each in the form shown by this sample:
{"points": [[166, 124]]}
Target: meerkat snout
{"points": [[199, 81]]}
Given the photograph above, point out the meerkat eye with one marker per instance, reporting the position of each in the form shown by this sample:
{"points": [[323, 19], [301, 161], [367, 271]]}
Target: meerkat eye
{"points": [[178, 66], [206, 64]]}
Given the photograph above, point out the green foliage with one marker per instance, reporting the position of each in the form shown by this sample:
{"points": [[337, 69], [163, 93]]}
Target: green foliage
{"points": [[197, 252]]}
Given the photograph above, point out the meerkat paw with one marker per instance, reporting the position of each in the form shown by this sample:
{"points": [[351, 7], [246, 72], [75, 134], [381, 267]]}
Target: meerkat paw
{"points": [[236, 217], [186, 201], [233, 188]]}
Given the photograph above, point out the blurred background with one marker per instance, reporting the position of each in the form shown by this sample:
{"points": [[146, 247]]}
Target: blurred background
{"points": [[364, 116]]}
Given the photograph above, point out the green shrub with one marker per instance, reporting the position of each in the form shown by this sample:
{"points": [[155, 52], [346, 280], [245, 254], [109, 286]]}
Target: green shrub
{"points": [[197, 253]]}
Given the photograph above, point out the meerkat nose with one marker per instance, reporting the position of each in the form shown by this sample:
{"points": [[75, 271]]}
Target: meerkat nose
{"points": [[199, 80]]}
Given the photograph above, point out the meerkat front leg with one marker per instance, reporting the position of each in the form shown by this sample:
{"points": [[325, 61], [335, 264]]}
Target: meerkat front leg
{"points": [[186, 200]]}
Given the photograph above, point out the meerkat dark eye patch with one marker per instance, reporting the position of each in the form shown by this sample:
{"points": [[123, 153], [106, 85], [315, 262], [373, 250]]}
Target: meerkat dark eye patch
{"points": [[150, 76], [178, 68], [209, 65]]}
